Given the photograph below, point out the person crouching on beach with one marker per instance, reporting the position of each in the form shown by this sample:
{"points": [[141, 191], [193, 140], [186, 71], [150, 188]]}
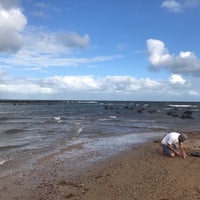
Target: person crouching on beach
{"points": [[169, 143]]}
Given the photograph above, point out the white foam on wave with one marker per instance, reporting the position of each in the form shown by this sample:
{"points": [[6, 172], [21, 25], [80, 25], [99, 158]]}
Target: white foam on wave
{"points": [[112, 117], [183, 106], [57, 118]]}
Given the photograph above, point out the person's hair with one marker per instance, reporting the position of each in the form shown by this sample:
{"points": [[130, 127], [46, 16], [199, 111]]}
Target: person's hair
{"points": [[180, 139]]}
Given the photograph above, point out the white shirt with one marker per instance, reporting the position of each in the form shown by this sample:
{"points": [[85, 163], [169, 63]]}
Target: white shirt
{"points": [[171, 138]]}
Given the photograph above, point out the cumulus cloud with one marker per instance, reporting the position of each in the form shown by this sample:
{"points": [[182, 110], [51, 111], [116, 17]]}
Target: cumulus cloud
{"points": [[45, 49], [176, 79], [185, 63], [58, 84], [90, 87], [36, 41], [12, 23], [40, 46], [27, 88], [158, 54], [130, 83], [179, 6], [72, 83]]}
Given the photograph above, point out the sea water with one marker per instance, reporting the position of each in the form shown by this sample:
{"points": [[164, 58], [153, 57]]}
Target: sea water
{"points": [[30, 130]]}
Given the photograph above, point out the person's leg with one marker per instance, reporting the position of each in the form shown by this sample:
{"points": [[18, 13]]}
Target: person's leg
{"points": [[167, 151]]}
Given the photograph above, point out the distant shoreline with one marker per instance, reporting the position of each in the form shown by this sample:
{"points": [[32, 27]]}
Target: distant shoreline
{"points": [[87, 101]]}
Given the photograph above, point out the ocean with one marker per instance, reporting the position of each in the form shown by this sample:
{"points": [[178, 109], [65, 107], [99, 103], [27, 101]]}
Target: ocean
{"points": [[32, 130]]}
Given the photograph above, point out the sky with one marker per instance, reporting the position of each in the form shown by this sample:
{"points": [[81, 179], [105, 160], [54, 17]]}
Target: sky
{"points": [[129, 50]]}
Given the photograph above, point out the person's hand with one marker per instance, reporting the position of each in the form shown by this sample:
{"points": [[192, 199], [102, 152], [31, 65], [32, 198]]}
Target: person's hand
{"points": [[177, 153], [184, 155]]}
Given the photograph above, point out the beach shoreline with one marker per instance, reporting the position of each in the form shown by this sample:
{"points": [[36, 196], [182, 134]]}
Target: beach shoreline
{"points": [[141, 172]]}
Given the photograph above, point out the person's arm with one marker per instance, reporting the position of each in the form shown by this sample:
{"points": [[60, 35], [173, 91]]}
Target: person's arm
{"points": [[182, 150], [174, 150]]}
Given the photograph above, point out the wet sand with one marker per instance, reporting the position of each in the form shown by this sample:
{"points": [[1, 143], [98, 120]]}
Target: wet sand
{"points": [[142, 172]]}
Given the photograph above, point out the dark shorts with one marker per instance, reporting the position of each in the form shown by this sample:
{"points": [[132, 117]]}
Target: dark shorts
{"points": [[167, 150]]}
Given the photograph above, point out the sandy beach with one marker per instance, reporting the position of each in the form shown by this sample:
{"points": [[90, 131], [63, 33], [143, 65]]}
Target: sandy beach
{"points": [[139, 173]]}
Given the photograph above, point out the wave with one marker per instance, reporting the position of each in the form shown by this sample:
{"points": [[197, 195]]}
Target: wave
{"points": [[3, 119], [112, 117], [183, 106], [57, 118], [13, 131], [87, 102], [6, 147]]}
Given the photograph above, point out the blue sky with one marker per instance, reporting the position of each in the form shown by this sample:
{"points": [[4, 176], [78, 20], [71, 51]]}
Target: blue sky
{"points": [[100, 50]]}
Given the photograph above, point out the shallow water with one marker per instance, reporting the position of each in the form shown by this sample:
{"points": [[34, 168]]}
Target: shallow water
{"points": [[30, 130]]}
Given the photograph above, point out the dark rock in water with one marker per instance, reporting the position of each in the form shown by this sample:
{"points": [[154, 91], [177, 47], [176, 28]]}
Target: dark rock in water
{"points": [[140, 110], [170, 113], [173, 114], [153, 111], [187, 115], [111, 108], [127, 107], [107, 107], [184, 116], [188, 112]]}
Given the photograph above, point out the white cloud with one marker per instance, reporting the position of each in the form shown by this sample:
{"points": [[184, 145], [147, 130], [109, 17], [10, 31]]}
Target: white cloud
{"points": [[177, 79], [186, 54], [64, 84], [71, 83], [44, 48], [12, 23], [41, 41], [30, 43], [179, 6], [90, 87], [26, 60], [184, 63], [193, 93], [172, 5], [158, 54], [23, 86], [27, 88]]}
